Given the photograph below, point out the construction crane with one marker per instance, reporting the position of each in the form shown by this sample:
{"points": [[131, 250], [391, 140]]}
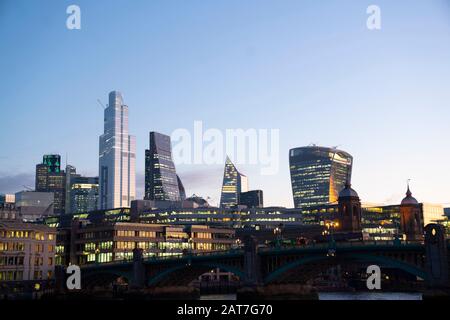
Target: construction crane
{"points": [[101, 104], [28, 188]]}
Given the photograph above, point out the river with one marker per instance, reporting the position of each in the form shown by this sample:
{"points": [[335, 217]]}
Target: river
{"points": [[338, 296]]}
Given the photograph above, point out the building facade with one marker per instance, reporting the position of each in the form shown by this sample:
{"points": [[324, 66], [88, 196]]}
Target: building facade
{"points": [[27, 251], [50, 178], [107, 242], [83, 194], [161, 180], [318, 174], [117, 157], [233, 184]]}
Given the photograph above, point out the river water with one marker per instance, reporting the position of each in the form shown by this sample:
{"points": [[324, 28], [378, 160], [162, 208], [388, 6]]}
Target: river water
{"points": [[339, 296]]}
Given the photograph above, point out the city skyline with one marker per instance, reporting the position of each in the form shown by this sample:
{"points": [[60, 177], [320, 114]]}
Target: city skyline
{"points": [[382, 106]]}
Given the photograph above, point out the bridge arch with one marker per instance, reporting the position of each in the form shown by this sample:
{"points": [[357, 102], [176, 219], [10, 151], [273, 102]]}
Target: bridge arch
{"points": [[209, 265], [382, 260], [94, 278]]}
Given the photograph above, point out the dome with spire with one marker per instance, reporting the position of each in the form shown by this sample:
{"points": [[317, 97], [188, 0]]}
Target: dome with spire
{"points": [[409, 199], [348, 191]]}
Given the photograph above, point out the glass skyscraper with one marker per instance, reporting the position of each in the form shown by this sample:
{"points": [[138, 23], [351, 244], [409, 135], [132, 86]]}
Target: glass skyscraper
{"points": [[50, 178], [117, 157], [83, 194], [318, 174], [161, 180], [233, 184]]}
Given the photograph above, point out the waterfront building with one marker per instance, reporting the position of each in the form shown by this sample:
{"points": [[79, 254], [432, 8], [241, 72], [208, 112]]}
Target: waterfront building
{"points": [[161, 180], [252, 199], [234, 183], [33, 205], [107, 242], [318, 174], [27, 251], [117, 157]]}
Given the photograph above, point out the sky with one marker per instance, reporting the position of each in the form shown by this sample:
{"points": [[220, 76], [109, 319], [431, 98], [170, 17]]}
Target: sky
{"points": [[311, 69]]}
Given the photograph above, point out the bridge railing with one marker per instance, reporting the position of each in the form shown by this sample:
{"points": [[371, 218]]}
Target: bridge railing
{"points": [[348, 244], [166, 257]]}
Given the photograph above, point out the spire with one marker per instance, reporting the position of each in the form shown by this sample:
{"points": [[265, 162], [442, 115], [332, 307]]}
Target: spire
{"points": [[408, 191]]}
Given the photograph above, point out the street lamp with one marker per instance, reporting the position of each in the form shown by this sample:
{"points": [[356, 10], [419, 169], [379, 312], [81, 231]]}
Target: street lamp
{"points": [[331, 225], [277, 232]]}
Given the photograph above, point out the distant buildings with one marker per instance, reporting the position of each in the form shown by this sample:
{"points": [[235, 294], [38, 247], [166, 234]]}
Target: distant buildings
{"points": [[50, 178], [8, 211], [7, 198], [27, 251], [447, 212], [33, 205], [233, 184], [117, 157], [318, 174], [252, 199], [161, 180], [83, 194]]}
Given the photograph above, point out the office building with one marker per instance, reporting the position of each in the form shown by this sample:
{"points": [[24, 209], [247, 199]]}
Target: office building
{"points": [[71, 173], [252, 199], [117, 157], [233, 184], [33, 205], [106, 242], [318, 174], [83, 194], [50, 178], [27, 251], [161, 180]]}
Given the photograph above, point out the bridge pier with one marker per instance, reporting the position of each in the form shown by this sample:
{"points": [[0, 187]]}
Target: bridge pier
{"points": [[138, 281], [252, 267], [436, 256]]}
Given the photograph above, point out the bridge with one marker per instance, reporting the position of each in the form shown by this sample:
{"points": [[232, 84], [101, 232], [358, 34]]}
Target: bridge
{"points": [[425, 261]]}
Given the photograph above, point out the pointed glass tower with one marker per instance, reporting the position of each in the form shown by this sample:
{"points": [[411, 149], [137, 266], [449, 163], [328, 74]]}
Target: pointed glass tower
{"points": [[117, 157], [233, 184]]}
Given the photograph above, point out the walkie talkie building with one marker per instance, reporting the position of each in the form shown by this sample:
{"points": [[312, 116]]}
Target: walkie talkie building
{"points": [[318, 174]]}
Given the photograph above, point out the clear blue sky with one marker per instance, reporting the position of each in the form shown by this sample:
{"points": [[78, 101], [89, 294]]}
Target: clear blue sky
{"points": [[309, 68]]}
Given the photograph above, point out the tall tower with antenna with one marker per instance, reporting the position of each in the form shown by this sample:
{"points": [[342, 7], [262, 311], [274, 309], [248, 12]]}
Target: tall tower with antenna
{"points": [[117, 157]]}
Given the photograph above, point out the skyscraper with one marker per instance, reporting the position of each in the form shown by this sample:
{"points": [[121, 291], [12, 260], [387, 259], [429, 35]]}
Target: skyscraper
{"points": [[83, 194], [50, 178], [318, 174], [161, 179], [233, 184], [117, 157]]}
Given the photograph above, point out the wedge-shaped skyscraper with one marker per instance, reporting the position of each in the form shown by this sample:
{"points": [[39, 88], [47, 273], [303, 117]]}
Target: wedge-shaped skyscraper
{"points": [[161, 180], [233, 184]]}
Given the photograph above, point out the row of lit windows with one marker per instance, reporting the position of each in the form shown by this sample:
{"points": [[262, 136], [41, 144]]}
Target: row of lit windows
{"points": [[20, 234]]}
